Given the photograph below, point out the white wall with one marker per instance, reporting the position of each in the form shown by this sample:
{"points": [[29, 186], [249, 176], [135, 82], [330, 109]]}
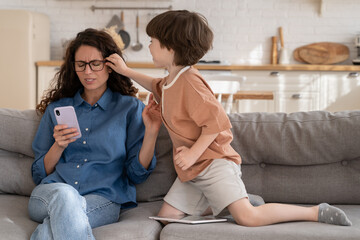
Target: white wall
{"points": [[242, 28]]}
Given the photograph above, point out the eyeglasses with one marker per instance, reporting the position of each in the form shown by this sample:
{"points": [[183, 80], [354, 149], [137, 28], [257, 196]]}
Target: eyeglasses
{"points": [[95, 65]]}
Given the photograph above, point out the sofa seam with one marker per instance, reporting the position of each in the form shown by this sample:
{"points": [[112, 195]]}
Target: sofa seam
{"points": [[293, 120], [22, 118], [318, 164]]}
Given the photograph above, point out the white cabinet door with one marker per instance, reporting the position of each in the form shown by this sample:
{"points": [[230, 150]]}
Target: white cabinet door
{"points": [[297, 101], [253, 105], [45, 75], [293, 90], [340, 91]]}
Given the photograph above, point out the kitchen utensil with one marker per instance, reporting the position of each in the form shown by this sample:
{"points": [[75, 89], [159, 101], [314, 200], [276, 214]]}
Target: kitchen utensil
{"points": [[297, 57], [115, 36], [137, 46], [274, 50], [284, 52], [323, 53], [124, 35], [356, 61], [115, 21]]}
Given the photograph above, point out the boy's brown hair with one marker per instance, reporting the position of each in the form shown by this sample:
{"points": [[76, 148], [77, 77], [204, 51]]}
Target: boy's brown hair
{"points": [[187, 33]]}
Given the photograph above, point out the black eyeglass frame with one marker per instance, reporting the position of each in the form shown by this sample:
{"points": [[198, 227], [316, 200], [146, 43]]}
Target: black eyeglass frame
{"points": [[89, 63]]}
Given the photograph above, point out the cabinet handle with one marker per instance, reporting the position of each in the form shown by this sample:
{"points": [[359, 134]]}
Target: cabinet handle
{"points": [[296, 96], [353, 75], [274, 74]]}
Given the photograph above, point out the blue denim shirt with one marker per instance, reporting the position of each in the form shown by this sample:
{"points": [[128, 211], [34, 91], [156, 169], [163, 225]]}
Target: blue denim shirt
{"points": [[105, 160]]}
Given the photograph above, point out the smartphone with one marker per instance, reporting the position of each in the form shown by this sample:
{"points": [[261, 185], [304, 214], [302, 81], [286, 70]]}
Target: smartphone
{"points": [[66, 115]]}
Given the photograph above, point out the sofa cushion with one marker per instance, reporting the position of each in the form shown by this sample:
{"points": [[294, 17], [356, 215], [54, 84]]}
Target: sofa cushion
{"points": [[133, 224], [283, 231], [15, 174], [301, 138], [17, 130], [15, 223], [302, 157]]}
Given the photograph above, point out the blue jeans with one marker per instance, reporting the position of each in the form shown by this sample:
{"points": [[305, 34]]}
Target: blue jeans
{"points": [[65, 214]]}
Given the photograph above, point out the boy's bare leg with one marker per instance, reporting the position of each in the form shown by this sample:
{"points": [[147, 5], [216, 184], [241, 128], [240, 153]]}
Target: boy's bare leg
{"points": [[247, 215], [208, 211], [168, 210]]}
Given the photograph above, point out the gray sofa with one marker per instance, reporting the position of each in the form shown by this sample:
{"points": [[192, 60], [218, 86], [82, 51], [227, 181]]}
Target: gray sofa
{"points": [[300, 158]]}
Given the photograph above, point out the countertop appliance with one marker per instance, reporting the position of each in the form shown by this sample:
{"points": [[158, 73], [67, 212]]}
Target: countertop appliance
{"points": [[25, 39]]}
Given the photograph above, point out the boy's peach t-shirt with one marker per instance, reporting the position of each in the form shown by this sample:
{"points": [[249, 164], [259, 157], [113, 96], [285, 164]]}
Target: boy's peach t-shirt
{"points": [[188, 109]]}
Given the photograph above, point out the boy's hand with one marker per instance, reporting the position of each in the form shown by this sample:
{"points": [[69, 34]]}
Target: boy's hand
{"points": [[184, 159], [151, 116], [116, 63]]}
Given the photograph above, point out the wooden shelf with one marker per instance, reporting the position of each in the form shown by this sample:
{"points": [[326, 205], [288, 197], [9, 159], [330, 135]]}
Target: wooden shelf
{"points": [[259, 95], [265, 67], [256, 95]]}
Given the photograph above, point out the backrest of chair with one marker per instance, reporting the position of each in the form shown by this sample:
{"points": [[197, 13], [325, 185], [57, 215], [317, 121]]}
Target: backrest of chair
{"points": [[224, 83]]}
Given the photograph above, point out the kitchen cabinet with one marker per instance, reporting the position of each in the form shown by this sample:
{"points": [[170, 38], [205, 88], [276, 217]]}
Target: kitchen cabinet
{"points": [[304, 90], [293, 90], [295, 87], [340, 91]]}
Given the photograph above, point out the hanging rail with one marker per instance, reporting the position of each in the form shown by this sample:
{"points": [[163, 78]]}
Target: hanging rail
{"points": [[93, 8]]}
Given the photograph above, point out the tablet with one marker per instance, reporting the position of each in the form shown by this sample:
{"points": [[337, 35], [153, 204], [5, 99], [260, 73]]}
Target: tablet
{"points": [[190, 219]]}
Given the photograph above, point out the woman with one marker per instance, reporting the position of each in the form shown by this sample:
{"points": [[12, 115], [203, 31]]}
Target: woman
{"points": [[83, 183]]}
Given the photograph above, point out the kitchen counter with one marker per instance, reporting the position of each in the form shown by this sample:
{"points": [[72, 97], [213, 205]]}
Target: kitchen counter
{"points": [[268, 67], [259, 95]]}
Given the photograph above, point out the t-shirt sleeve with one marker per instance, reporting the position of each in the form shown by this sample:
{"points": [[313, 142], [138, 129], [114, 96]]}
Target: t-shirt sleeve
{"points": [[206, 111]]}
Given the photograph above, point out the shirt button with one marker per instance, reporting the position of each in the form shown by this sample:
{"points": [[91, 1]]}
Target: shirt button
{"points": [[96, 105], [84, 142], [76, 183], [78, 166], [85, 160], [86, 129]]}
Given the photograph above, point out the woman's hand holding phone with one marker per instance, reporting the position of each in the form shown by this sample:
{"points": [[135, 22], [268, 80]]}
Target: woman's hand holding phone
{"points": [[67, 130], [64, 135]]}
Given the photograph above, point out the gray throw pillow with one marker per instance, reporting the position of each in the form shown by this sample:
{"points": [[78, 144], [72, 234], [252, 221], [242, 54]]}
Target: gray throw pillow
{"points": [[17, 130]]}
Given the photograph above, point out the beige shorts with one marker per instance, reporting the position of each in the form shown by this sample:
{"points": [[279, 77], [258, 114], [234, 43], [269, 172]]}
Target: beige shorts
{"points": [[217, 186]]}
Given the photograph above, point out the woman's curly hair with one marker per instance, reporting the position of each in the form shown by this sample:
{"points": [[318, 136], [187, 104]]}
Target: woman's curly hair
{"points": [[66, 80]]}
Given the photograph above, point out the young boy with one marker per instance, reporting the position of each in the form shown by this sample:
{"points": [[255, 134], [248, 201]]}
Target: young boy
{"points": [[207, 166]]}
